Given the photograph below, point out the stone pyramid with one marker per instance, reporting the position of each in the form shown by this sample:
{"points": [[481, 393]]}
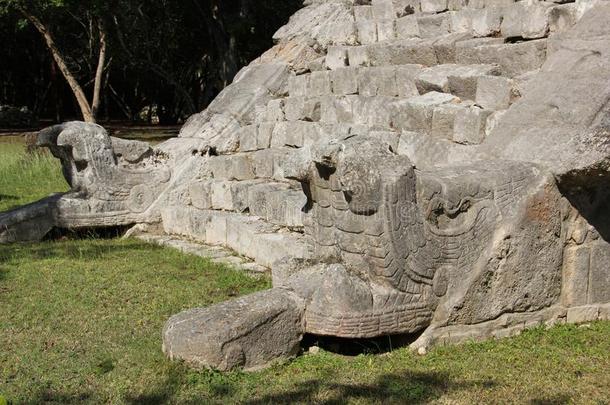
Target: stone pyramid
{"points": [[429, 167]]}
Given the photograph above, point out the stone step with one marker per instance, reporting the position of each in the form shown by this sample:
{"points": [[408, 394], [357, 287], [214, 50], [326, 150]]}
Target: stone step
{"points": [[249, 236], [279, 203], [514, 59], [390, 81], [216, 254], [459, 80], [442, 116], [529, 20]]}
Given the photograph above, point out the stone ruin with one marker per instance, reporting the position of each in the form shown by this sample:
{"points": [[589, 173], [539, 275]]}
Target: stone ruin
{"points": [[433, 167]]}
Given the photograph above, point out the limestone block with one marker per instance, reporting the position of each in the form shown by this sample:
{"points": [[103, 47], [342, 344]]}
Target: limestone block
{"points": [[445, 46], [263, 162], [302, 109], [523, 20], [372, 111], [363, 13], [562, 17], [434, 6], [263, 135], [443, 120], [402, 53], [298, 85], [405, 80], [470, 125], [487, 22], [200, 193], [344, 81], [434, 25], [463, 80], [494, 92], [392, 138], [575, 280], [599, 273], [583, 314], [358, 56], [460, 80], [222, 197], [514, 59], [407, 27], [383, 10], [319, 84], [215, 338], [416, 114], [377, 81], [461, 21], [386, 30], [247, 138], [233, 167], [274, 111], [336, 57], [406, 7], [367, 32]]}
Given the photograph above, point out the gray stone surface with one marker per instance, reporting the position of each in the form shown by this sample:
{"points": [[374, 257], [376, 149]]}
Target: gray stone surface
{"points": [[402, 166]]}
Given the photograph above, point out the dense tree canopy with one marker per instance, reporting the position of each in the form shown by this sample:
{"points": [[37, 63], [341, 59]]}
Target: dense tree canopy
{"points": [[101, 59]]}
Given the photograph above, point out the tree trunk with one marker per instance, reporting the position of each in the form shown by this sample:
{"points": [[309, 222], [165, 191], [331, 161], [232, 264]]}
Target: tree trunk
{"points": [[63, 67], [97, 88]]}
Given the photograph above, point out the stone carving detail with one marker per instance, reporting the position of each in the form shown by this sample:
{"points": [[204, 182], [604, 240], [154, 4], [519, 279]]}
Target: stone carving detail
{"points": [[403, 167]]}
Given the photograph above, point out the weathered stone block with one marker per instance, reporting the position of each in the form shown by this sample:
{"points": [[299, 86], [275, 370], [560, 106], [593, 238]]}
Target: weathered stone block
{"points": [[210, 337], [494, 92], [416, 114], [367, 33], [487, 22], [470, 125], [434, 25], [363, 13], [345, 81], [336, 57], [599, 273], [386, 30], [434, 6], [407, 27], [378, 81], [319, 84], [298, 85], [583, 314], [526, 20], [383, 10]]}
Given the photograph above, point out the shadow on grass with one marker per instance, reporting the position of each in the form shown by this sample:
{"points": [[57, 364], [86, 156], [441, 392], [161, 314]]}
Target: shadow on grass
{"points": [[67, 250], [409, 387]]}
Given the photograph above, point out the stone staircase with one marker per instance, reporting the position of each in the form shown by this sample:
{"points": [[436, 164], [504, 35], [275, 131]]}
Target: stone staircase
{"points": [[431, 78]]}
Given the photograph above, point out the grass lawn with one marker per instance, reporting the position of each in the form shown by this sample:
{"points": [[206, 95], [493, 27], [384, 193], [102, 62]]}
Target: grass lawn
{"points": [[80, 322], [25, 178]]}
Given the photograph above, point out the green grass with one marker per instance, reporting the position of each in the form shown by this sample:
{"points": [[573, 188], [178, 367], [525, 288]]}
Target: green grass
{"points": [[81, 321], [25, 178]]}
